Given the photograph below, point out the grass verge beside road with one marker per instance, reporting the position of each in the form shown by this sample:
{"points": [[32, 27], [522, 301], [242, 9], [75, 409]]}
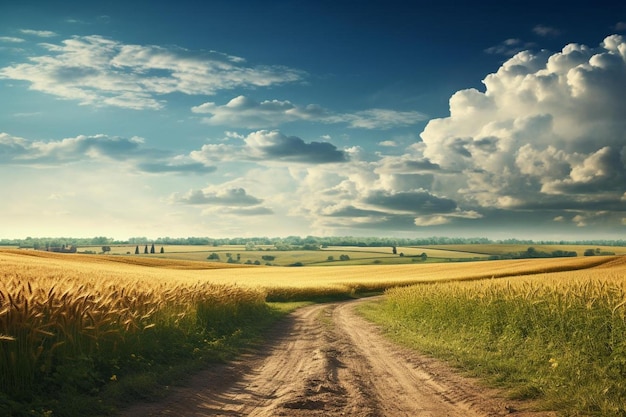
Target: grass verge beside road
{"points": [[556, 338]]}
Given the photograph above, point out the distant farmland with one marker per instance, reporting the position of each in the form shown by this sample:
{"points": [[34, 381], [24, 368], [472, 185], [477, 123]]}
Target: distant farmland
{"points": [[333, 255]]}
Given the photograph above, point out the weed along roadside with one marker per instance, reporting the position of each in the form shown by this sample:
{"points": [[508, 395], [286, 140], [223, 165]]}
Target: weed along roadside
{"points": [[82, 335], [557, 339]]}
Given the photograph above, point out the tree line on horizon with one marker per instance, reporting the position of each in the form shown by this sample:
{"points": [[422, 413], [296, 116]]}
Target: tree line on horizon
{"points": [[291, 241]]}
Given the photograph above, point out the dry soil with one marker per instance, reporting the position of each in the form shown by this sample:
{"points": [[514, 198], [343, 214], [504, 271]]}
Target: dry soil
{"points": [[325, 360]]}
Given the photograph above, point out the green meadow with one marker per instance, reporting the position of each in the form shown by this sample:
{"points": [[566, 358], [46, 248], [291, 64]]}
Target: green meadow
{"points": [[341, 255]]}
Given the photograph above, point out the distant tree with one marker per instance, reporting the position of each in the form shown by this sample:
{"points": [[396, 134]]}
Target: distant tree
{"points": [[162, 250], [424, 256], [213, 257], [394, 250], [257, 262], [268, 257], [152, 248], [145, 250], [106, 249], [344, 258], [238, 257], [137, 250], [402, 254], [330, 258], [589, 252], [100, 240]]}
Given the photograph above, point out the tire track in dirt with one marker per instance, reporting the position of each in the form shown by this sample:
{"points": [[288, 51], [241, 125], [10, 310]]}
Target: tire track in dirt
{"points": [[325, 360]]}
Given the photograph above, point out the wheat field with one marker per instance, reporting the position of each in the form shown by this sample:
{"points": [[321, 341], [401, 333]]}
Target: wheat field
{"points": [[86, 320], [56, 310]]}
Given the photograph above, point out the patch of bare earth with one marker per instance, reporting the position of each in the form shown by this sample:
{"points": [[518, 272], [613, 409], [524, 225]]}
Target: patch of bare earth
{"points": [[324, 360]]}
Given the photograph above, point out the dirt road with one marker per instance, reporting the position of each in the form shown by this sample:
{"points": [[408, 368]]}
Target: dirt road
{"points": [[324, 360]]}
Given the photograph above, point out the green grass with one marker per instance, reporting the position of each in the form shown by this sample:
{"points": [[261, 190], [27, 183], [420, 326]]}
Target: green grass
{"points": [[560, 343], [357, 255], [504, 248]]}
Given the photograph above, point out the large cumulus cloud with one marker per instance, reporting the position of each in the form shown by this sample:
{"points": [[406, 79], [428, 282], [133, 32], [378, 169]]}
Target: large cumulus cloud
{"points": [[548, 131], [544, 144]]}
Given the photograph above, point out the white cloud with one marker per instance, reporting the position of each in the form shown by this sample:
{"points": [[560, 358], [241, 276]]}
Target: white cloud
{"points": [[39, 33], [246, 112], [11, 39], [543, 30], [271, 145], [509, 47], [373, 196], [548, 131], [380, 118], [18, 150], [223, 201], [437, 220], [221, 197], [101, 72], [243, 111], [96, 148]]}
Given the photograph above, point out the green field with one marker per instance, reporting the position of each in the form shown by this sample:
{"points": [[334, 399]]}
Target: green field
{"points": [[332, 255], [503, 248]]}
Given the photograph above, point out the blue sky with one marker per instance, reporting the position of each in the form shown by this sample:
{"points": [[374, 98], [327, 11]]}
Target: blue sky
{"points": [[276, 118]]}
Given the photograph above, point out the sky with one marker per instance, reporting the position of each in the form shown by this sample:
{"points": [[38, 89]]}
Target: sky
{"points": [[328, 118]]}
